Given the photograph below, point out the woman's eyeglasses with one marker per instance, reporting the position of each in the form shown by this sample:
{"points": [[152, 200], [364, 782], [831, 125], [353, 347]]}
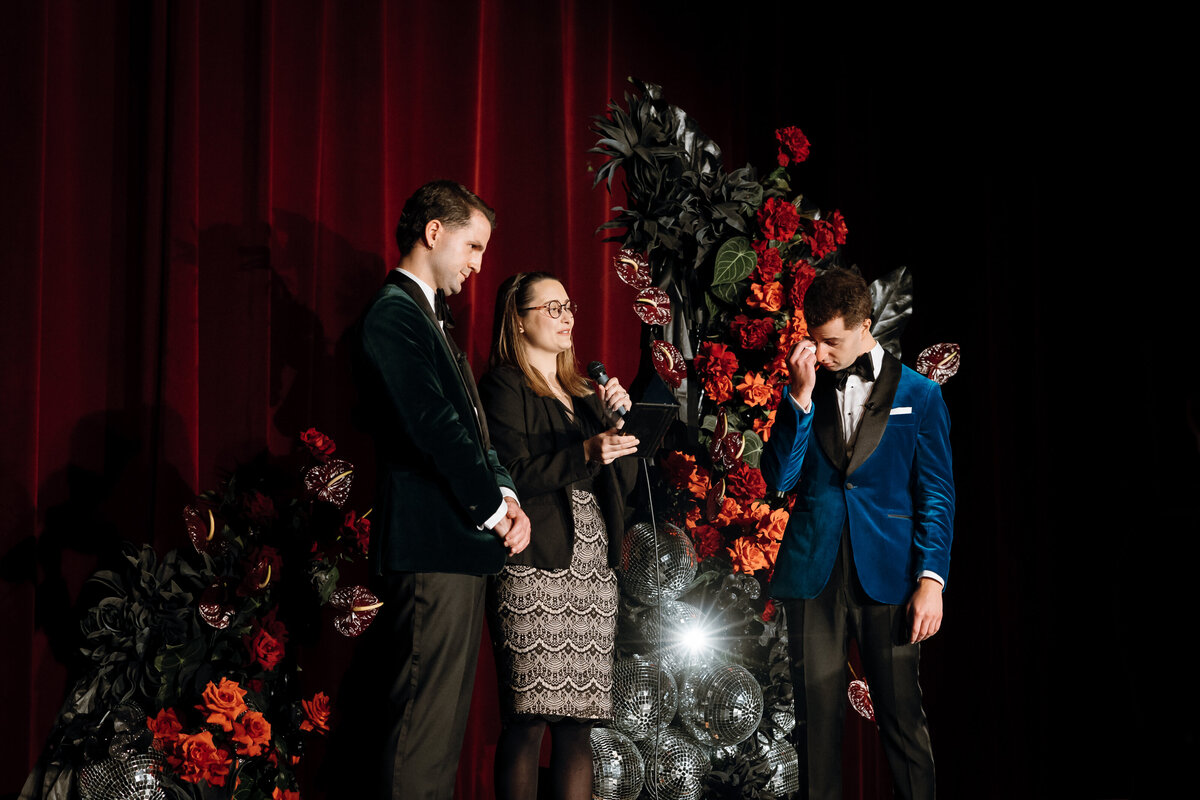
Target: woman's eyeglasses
{"points": [[554, 309]]}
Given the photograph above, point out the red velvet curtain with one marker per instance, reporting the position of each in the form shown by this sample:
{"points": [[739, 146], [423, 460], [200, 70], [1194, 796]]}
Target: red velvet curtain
{"points": [[199, 199]]}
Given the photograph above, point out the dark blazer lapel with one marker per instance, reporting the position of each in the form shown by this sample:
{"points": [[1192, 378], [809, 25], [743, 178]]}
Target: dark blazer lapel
{"points": [[466, 378], [827, 423], [878, 410]]}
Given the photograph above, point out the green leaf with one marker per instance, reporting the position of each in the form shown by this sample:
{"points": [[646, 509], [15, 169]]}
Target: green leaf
{"points": [[752, 448], [735, 260], [727, 292], [709, 423]]}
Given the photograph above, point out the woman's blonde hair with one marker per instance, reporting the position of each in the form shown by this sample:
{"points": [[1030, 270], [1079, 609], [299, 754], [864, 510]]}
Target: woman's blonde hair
{"points": [[508, 346]]}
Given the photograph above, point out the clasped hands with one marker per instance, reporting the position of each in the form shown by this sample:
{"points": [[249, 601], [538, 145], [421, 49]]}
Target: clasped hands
{"points": [[513, 529]]}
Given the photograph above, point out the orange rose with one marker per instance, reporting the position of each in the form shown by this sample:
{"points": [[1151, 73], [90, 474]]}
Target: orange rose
{"points": [[763, 426], [699, 483], [747, 556], [316, 712], [766, 296], [754, 389], [728, 513], [719, 388], [202, 760], [252, 733], [284, 794], [165, 726], [774, 524], [225, 702], [692, 516]]}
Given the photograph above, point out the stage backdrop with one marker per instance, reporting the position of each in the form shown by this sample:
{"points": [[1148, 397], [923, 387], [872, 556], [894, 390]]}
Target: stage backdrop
{"points": [[199, 198]]}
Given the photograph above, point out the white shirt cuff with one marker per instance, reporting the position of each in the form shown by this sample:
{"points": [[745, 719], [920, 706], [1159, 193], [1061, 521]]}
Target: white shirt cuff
{"points": [[799, 407], [502, 510], [927, 574]]}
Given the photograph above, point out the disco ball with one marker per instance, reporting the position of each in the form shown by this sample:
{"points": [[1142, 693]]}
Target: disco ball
{"points": [[675, 766], [784, 721], [783, 759], [676, 562], [617, 766], [720, 705], [644, 696], [138, 777], [679, 639]]}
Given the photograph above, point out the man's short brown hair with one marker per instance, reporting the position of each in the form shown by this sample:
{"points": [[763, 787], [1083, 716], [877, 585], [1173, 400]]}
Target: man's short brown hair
{"points": [[447, 201], [837, 293]]}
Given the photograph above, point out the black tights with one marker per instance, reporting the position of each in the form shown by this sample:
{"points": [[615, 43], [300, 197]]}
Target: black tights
{"points": [[570, 759]]}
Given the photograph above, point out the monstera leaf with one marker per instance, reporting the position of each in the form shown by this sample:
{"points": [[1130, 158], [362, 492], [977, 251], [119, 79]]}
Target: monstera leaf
{"points": [[891, 299]]}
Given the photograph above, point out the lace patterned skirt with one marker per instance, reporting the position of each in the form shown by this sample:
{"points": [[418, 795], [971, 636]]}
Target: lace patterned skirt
{"points": [[553, 630]]}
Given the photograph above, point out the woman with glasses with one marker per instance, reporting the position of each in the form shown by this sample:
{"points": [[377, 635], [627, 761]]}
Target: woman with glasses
{"points": [[553, 609]]}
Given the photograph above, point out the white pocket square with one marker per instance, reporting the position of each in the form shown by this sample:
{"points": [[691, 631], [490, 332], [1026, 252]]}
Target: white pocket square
{"points": [[901, 410]]}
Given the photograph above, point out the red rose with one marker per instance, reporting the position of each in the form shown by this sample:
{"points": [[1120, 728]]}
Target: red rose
{"points": [[316, 713], [839, 227], [802, 278], [752, 334], [677, 468], [778, 219], [766, 296], [793, 145], [746, 482], [715, 360], [769, 612], [284, 794], [252, 733], [770, 264], [259, 508], [359, 529], [266, 642], [708, 540], [320, 445], [822, 240]]}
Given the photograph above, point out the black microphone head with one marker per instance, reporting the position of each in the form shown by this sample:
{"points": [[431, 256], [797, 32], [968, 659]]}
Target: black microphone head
{"points": [[597, 372]]}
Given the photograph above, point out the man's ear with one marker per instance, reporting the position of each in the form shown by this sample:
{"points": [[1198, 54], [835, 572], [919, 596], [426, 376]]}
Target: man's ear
{"points": [[867, 325], [433, 229]]}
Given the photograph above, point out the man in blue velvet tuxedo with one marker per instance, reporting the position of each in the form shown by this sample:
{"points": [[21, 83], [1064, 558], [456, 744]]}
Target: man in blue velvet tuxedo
{"points": [[445, 512], [865, 444]]}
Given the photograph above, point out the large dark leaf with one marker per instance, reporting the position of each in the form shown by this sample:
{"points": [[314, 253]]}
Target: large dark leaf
{"points": [[891, 299], [735, 260]]}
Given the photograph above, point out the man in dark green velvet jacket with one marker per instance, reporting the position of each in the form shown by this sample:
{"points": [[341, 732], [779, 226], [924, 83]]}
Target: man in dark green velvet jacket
{"points": [[446, 512]]}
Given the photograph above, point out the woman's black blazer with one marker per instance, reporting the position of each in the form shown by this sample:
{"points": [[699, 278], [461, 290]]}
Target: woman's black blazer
{"points": [[544, 455]]}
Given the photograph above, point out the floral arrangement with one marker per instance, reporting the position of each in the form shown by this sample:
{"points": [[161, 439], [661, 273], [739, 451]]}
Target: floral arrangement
{"points": [[721, 263], [204, 643]]}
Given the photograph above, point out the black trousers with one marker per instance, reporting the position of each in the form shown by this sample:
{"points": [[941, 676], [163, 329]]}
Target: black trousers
{"points": [[404, 702], [819, 632]]}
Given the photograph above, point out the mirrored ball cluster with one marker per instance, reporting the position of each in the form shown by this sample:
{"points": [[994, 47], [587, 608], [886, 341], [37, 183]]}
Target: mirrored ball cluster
{"points": [[617, 766], [137, 777], [720, 705], [675, 766], [648, 577], [643, 696]]}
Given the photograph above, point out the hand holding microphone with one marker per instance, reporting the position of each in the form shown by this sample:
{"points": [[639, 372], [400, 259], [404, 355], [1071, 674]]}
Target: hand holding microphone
{"points": [[609, 446], [612, 394]]}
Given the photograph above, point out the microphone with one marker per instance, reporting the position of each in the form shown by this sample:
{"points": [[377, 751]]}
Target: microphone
{"points": [[599, 374]]}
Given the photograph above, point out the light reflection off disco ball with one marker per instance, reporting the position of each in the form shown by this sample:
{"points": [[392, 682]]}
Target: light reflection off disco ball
{"points": [[676, 564], [643, 696], [138, 777], [783, 759], [720, 705], [681, 639], [617, 766], [681, 766]]}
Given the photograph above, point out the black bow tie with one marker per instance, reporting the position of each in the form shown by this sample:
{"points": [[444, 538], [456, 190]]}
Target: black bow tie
{"points": [[863, 367], [441, 309]]}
